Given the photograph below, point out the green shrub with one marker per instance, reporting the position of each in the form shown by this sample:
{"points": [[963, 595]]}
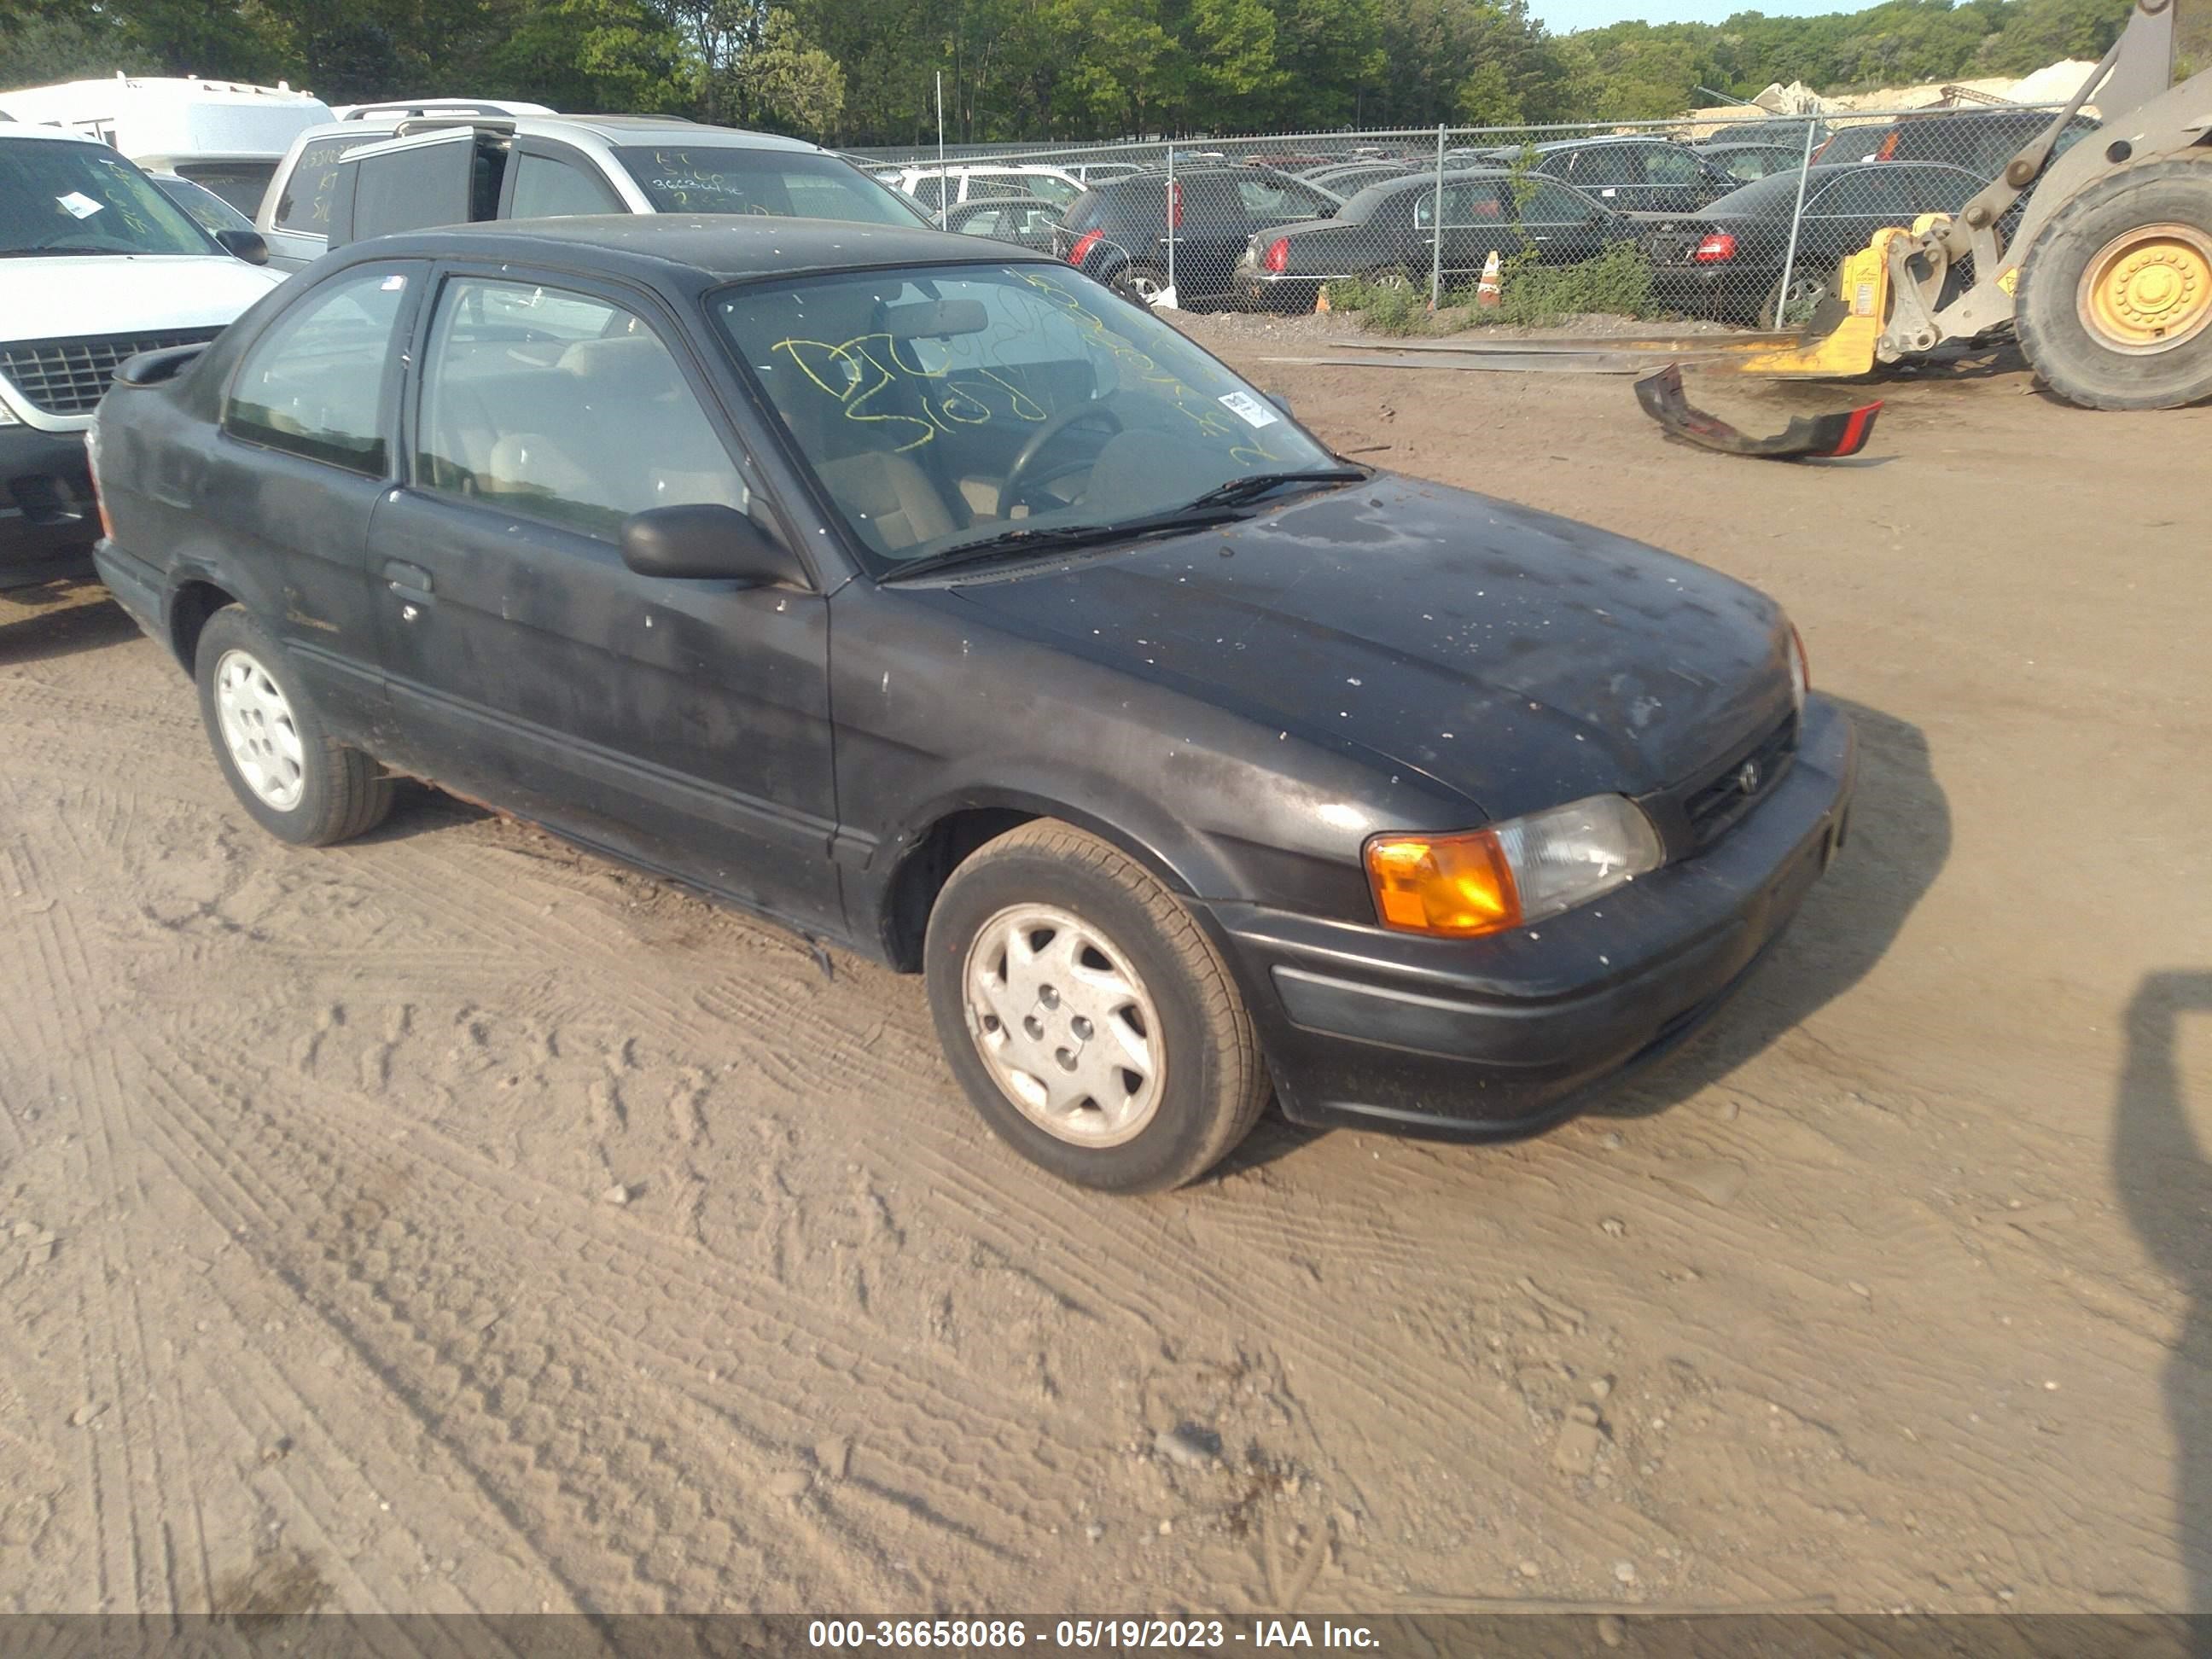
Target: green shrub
{"points": [[1387, 308], [1618, 281]]}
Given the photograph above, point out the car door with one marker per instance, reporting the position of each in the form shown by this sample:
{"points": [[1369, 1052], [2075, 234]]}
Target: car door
{"points": [[303, 453], [547, 179], [682, 725], [1564, 227], [1669, 179], [1478, 218]]}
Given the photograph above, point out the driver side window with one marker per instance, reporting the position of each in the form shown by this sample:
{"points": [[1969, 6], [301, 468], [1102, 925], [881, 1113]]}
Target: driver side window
{"points": [[315, 384]]}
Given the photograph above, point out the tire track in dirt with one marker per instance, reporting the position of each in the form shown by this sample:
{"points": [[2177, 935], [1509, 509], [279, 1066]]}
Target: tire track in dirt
{"points": [[444, 1358]]}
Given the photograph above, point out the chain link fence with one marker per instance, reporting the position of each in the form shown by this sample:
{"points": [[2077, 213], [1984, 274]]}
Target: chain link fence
{"points": [[1739, 222]]}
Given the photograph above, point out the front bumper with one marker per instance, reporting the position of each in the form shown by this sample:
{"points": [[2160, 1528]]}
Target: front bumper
{"points": [[47, 516], [1478, 1039]]}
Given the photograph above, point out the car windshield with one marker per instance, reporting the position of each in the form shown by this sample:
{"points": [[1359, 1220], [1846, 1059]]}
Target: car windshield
{"points": [[944, 407], [208, 209], [789, 183], [85, 198]]}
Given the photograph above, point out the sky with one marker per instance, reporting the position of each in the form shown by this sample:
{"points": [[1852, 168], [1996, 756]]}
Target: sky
{"points": [[1562, 16]]}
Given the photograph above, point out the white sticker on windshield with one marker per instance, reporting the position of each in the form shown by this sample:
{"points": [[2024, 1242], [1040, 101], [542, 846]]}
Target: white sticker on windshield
{"points": [[78, 206], [1248, 409]]}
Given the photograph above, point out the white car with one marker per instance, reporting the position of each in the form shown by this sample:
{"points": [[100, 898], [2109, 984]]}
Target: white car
{"points": [[372, 175], [975, 181], [226, 136], [96, 266]]}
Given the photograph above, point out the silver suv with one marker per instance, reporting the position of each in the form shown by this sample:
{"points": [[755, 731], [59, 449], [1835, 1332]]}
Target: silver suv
{"points": [[349, 179]]}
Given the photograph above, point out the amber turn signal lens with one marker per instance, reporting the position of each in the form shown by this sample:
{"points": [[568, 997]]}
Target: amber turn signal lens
{"points": [[1454, 886]]}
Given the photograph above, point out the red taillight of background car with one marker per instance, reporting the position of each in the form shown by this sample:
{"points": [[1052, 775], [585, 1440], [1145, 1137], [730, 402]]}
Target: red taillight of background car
{"points": [[1279, 255], [1083, 243], [1174, 205], [1716, 249]]}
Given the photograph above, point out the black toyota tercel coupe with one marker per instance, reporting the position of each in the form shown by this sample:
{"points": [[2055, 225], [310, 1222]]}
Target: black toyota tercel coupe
{"points": [[943, 603]]}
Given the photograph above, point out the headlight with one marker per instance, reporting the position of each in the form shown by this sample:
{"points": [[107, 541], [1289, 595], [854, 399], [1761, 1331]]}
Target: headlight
{"points": [[1458, 886], [1800, 677]]}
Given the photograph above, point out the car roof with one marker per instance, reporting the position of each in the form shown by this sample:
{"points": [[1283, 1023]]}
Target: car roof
{"points": [[609, 129], [728, 247], [1595, 138], [27, 130]]}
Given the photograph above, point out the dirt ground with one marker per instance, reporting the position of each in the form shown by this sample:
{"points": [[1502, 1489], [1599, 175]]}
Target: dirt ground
{"points": [[1895, 1289]]}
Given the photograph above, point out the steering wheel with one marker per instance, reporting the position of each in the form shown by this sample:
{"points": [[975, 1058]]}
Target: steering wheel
{"points": [[1017, 475]]}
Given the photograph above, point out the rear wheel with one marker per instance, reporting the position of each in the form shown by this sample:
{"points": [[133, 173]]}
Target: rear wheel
{"points": [[300, 783], [1142, 282], [2115, 302], [1807, 291], [1391, 279], [1087, 1015]]}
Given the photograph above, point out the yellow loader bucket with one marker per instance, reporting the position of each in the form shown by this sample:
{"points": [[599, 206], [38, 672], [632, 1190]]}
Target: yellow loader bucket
{"points": [[1847, 350]]}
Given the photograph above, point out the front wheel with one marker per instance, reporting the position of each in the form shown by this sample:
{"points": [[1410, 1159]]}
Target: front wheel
{"points": [[300, 783], [1087, 1015], [2115, 302]]}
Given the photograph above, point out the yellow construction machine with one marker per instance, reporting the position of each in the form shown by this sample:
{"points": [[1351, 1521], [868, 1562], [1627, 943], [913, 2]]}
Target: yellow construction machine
{"points": [[2105, 282]]}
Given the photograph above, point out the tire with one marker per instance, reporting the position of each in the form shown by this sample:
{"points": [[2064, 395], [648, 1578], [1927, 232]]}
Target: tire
{"points": [[2092, 361], [1140, 282], [1130, 943], [1392, 278], [1807, 294], [296, 781]]}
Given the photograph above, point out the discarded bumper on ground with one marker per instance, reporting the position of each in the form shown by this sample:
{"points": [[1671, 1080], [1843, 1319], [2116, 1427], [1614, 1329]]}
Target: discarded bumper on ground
{"points": [[1826, 436]]}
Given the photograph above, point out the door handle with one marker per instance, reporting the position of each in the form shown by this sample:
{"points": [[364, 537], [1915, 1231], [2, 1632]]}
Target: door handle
{"points": [[408, 581]]}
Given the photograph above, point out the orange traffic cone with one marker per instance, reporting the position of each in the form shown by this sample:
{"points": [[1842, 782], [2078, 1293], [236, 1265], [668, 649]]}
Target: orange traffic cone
{"points": [[1490, 289], [1320, 299]]}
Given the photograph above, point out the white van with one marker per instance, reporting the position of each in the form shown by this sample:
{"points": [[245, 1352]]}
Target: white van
{"points": [[226, 136], [96, 266]]}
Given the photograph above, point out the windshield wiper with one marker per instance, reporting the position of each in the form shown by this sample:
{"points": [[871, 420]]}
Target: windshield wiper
{"points": [[1020, 543], [1253, 485]]}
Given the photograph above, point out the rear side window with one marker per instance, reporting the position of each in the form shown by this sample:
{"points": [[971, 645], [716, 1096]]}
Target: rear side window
{"points": [[315, 384], [1663, 164], [546, 188], [430, 183], [1556, 205], [582, 427], [305, 205]]}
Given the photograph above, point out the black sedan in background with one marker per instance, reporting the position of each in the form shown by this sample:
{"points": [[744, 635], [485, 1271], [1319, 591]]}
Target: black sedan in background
{"points": [[953, 609], [1749, 161], [1388, 234], [1119, 232], [1633, 174], [1727, 261]]}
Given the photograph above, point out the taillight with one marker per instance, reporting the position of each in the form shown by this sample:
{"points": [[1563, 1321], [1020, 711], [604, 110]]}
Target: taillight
{"points": [[1174, 205], [1083, 243], [1716, 249], [1279, 255]]}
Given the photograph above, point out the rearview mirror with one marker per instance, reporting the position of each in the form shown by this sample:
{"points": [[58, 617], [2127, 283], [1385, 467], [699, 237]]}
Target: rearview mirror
{"points": [[245, 244], [705, 542]]}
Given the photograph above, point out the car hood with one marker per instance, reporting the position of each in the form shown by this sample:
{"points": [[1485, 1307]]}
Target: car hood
{"points": [[1518, 658], [64, 296]]}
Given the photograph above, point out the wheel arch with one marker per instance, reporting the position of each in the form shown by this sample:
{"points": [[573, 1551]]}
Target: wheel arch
{"points": [[942, 835]]}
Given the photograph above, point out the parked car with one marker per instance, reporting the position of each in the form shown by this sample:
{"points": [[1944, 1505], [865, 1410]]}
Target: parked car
{"points": [[972, 181], [1118, 232], [1388, 233], [1348, 178], [1979, 140], [225, 134], [1727, 260], [95, 266], [369, 177], [401, 109], [961, 613], [1749, 161], [1025, 221], [206, 209], [1633, 174]]}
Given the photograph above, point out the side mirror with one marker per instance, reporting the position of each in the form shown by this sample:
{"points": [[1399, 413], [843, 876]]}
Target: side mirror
{"points": [[245, 244], [705, 542]]}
